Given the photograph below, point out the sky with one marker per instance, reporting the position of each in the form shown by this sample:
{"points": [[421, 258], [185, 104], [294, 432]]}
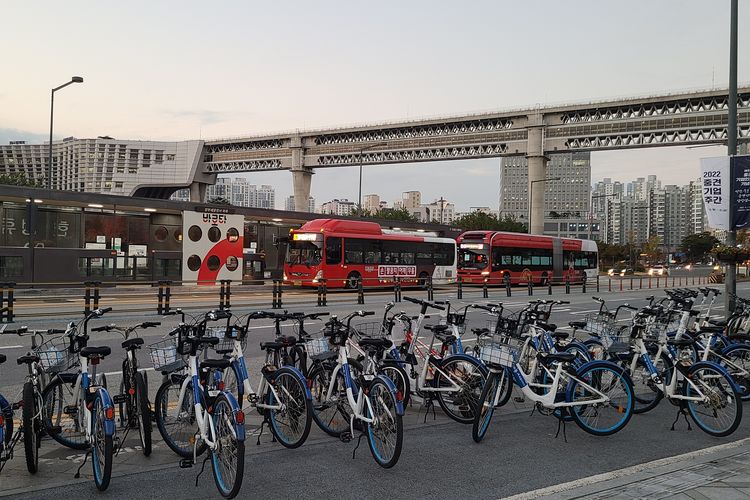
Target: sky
{"points": [[182, 70]]}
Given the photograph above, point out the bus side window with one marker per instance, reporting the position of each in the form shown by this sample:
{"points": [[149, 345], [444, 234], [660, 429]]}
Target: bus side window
{"points": [[353, 253], [333, 250]]}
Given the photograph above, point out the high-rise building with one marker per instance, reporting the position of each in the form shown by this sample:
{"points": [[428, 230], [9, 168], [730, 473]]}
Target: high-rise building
{"points": [[371, 203], [289, 204], [242, 194], [698, 221], [338, 207], [411, 199], [440, 211], [568, 196]]}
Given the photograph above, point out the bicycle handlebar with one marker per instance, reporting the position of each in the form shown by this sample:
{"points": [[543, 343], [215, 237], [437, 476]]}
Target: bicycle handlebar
{"points": [[424, 303], [15, 331]]}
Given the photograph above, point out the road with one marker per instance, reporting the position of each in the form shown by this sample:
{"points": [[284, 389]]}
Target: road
{"points": [[439, 458]]}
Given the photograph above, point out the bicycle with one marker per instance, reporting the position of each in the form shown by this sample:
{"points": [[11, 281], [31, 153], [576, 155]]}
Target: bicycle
{"points": [[584, 393], [369, 399], [457, 378], [80, 400], [132, 402], [283, 397], [201, 415], [31, 402]]}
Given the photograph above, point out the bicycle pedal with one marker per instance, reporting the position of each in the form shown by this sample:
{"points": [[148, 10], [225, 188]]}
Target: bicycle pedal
{"points": [[186, 463], [519, 399], [346, 437], [119, 399], [70, 410]]}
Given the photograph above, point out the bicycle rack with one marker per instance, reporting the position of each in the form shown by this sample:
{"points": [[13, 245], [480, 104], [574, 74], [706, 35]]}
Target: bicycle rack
{"points": [[6, 297]]}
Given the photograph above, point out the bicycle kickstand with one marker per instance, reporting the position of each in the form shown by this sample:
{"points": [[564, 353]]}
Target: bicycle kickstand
{"points": [[203, 467], [428, 404], [85, 459], [561, 423], [260, 433], [682, 412]]}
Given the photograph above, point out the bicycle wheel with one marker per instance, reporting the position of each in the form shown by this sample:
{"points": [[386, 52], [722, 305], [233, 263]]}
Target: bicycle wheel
{"points": [[144, 413], [597, 351], [720, 413], [62, 415], [232, 384], [648, 393], [290, 424], [400, 379], [31, 428], [228, 457], [469, 374], [603, 418], [101, 447], [737, 363], [8, 416], [483, 417], [385, 434], [178, 426], [331, 414]]}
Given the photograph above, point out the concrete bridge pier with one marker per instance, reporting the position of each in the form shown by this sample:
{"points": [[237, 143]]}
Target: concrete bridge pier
{"points": [[537, 162], [198, 192], [301, 176]]}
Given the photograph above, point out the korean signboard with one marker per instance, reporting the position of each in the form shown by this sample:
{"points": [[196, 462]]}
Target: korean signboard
{"points": [[212, 247], [720, 188], [397, 271], [741, 192]]}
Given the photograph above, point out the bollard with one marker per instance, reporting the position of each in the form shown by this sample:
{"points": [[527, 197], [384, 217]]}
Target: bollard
{"points": [[530, 284], [86, 298], [640, 283], [609, 284], [597, 283], [460, 288], [224, 293], [567, 285], [693, 279], [430, 291], [397, 289], [621, 285], [6, 302], [485, 292], [657, 282], [649, 282], [276, 300], [506, 278], [360, 291], [549, 287], [583, 286], [322, 292], [631, 282], [163, 297], [672, 281], [97, 284]]}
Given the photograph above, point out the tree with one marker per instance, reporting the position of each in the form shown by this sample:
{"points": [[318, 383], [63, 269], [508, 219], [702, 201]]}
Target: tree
{"points": [[611, 253], [401, 214], [652, 248], [482, 220], [696, 246], [18, 179]]}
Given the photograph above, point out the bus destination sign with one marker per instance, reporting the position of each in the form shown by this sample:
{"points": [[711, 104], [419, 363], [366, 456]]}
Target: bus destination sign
{"points": [[397, 271]]}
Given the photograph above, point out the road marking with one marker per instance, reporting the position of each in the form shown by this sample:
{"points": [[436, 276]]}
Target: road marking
{"points": [[586, 311], [112, 374], [11, 347], [609, 476]]}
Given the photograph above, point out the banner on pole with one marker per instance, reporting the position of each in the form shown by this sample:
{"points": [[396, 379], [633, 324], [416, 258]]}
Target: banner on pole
{"points": [[741, 192], [716, 190]]}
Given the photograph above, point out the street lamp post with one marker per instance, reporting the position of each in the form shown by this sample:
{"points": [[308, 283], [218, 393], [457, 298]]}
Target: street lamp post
{"points": [[730, 283], [531, 196], [75, 79], [362, 150]]}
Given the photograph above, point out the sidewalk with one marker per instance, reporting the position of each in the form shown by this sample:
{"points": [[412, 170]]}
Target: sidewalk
{"points": [[720, 472]]}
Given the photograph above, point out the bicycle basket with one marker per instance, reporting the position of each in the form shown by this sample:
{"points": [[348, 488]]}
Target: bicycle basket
{"points": [[502, 351], [655, 331], [56, 356], [317, 346], [370, 329], [615, 335], [599, 324], [165, 357], [227, 337]]}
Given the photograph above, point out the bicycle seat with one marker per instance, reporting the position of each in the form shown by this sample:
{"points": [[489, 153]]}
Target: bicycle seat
{"points": [[565, 357], [271, 345], [550, 327], [132, 343], [2, 358], [480, 331], [560, 335], [28, 359], [718, 322], [96, 352], [683, 342], [437, 328], [577, 324], [382, 343], [219, 364], [712, 329]]}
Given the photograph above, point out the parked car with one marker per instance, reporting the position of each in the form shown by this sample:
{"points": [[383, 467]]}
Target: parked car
{"points": [[620, 271], [658, 270]]}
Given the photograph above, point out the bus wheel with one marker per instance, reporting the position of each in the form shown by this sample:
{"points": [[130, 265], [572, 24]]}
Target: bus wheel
{"points": [[423, 276], [352, 280]]}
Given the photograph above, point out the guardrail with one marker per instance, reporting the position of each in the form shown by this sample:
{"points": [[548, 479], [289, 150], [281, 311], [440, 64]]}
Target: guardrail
{"points": [[221, 294]]}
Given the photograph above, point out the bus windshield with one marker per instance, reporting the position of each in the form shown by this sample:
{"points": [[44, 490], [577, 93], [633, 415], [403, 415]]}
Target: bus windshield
{"points": [[472, 259], [304, 252]]}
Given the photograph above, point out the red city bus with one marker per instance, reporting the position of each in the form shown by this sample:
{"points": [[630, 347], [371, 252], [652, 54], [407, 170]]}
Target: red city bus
{"points": [[343, 251], [493, 255]]}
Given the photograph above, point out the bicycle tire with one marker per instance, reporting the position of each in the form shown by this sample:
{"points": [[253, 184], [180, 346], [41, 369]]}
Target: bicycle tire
{"points": [[144, 414], [647, 394], [228, 486], [722, 397], [400, 379], [8, 415], [614, 382], [387, 423], [293, 392], [30, 427], [483, 416], [232, 384], [180, 434], [739, 355], [331, 416], [55, 396], [101, 447], [466, 399]]}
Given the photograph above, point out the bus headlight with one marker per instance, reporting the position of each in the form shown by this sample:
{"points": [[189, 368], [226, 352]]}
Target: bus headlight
{"points": [[318, 276], [285, 278], [485, 273]]}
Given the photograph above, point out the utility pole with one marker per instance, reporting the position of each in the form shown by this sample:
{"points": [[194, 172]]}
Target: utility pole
{"points": [[730, 284]]}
